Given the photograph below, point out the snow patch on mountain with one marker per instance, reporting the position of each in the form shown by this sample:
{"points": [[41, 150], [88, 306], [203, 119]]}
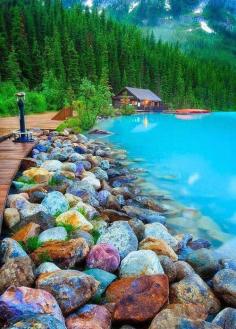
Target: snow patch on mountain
{"points": [[89, 3], [205, 27], [167, 5], [133, 5]]}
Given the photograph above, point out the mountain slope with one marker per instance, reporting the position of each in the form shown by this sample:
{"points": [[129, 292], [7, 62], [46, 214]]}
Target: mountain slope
{"points": [[207, 27]]}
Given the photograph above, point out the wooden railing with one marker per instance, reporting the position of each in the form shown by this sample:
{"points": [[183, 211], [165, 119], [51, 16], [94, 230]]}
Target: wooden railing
{"points": [[63, 114]]}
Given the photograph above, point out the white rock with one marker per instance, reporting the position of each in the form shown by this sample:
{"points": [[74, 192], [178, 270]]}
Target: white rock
{"points": [[53, 234], [159, 231]]}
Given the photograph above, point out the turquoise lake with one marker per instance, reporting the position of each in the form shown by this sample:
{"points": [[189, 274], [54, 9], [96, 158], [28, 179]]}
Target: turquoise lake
{"points": [[193, 160]]}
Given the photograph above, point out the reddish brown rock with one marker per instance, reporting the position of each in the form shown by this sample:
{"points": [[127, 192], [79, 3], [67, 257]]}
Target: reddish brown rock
{"points": [[138, 299], [71, 288], [18, 302], [28, 163], [26, 232], [17, 272], [63, 253], [89, 317], [111, 215]]}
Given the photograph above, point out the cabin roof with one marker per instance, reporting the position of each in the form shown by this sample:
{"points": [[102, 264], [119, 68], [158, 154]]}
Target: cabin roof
{"points": [[143, 94]]}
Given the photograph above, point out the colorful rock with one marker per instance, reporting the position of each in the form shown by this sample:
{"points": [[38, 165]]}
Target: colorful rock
{"points": [[141, 262], [71, 289], [89, 316], [160, 247], [53, 234], [11, 217], [138, 299], [28, 231], [75, 219], [18, 302], [55, 203], [17, 272], [38, 321], [63, 253], [224, 283], [104, 256], [39, 175], [159, 231], [10, 249]]}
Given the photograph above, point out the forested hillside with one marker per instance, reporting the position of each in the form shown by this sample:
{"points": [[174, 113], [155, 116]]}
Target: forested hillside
{"points": [[48, 48]]}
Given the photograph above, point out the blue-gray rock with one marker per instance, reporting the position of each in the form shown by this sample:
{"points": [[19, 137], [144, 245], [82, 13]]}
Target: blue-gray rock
{"points": [[100, 173], [69, 166], [123, 180], [229, 264], [9, 249], [46, 267], [146, 215], [199, 243], [87, 165], [76, 157], [204, 262], [226, 319], [105, 165], [81, 189], [138, 227], [224, 284], [120, 235], [159, 231], [52, 165], [55, 203], [37, 196], [141, 262], [102, 197], [41, 218], [83, 234], [38, 321], [53, 234], [169, 267]]}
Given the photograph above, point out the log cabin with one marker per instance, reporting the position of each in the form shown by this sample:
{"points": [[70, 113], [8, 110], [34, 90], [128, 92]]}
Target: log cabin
{"points": [[142, 99]]}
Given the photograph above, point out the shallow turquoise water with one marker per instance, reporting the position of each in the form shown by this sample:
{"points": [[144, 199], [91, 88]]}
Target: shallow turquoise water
{"points": [[193, 158]]}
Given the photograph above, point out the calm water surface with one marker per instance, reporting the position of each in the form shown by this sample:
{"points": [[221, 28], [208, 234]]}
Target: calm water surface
{"points": [[193, 159]]}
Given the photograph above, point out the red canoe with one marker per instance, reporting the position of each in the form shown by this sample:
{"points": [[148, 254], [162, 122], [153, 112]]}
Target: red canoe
{"points": [[191, 111]]}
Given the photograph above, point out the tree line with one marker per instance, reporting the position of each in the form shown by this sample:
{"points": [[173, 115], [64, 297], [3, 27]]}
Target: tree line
{"points": [[49, 49]]}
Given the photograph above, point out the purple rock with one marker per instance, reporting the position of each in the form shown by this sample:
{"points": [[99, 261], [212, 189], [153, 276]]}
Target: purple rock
{"points": [[103, 197], [198, 244], [104, 256], [79, 168]]}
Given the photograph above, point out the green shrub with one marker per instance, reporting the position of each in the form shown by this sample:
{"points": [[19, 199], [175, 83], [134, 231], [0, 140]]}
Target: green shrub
{"points": [[82, 211], [127, 109], [32, 244], [35, 103]]}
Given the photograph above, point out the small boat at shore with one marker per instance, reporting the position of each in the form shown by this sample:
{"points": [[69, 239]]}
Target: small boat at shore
{"points": [[187, 111]]}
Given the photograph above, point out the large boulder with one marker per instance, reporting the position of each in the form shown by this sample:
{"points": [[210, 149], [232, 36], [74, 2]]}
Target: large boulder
{"points": [[38, 175], [63, 253], [46, 321], [226, 319], [159, 231], [28, 231], [18, 302], [10, 249], [55, 203], [224, 283], [53, 234], [138, 299], [160, 247], [75, 219], [192, 289], [146, 215], [204, 262], [121, 236], [89, 316], [103, 256], [141, 262], [18, 272], [11, 217], [71, 288]]}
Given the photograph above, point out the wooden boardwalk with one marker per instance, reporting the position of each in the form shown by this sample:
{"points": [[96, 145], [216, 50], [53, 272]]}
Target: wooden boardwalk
{"points": [[11, 155], [42, 121]]}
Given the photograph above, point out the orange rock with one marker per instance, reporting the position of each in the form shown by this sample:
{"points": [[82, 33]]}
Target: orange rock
{"points": [[160, 247], [27, 232], [64, 253], [138, 299]]}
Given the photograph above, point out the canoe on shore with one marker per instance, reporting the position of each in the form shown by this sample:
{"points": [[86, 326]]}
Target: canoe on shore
{"points": [[188, 111]]}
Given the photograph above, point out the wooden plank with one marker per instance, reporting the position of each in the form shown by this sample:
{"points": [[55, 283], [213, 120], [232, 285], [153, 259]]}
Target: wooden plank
{"points": [[11, 155]]}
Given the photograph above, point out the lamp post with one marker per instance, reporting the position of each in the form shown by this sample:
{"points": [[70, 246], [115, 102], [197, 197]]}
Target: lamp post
{"points": [[22, 135]]}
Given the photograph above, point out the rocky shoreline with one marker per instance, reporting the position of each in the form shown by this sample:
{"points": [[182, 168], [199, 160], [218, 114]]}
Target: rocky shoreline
{"points": [[84, 247]]}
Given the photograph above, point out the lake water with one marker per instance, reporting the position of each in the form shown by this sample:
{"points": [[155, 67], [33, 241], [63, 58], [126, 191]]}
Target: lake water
{"points": [[192, 158]]}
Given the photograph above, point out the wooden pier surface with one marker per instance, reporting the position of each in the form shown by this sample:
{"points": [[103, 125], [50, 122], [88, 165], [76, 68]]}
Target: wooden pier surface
{"points": [[11, 155]]}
